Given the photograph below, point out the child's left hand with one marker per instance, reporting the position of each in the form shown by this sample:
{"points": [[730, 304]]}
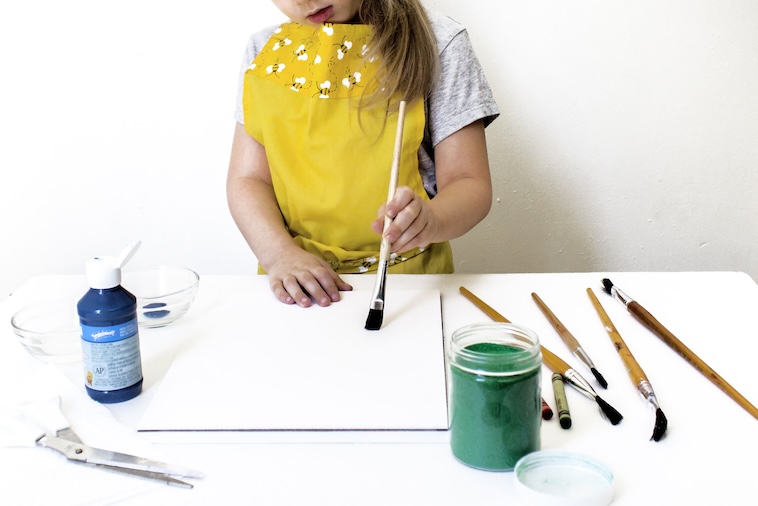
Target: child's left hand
{"points": [[414, 224]]}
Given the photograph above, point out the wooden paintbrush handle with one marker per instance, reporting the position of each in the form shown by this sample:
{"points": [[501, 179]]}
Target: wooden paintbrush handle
{"points": [[670, 339], [636, 373], [551, 360], [554, 362], [384, 248], [483, 306], [567, 337]]}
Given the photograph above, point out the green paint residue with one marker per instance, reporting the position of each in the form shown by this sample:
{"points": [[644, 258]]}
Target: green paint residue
{"points": [[493, 349]]}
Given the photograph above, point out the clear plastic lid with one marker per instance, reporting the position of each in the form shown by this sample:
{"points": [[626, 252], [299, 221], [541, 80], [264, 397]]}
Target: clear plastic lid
{"points": [[556, 478]]}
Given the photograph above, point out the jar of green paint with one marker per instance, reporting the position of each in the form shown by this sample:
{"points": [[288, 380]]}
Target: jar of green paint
{"points": [[495, 401]]}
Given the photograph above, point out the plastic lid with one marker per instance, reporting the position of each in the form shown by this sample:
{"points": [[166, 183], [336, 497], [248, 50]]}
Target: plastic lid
{"points": [[548, 477], [105, 272]]}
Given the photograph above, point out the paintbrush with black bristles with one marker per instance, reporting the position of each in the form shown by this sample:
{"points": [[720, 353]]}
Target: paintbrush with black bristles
{"points": [[570, 340], [376, 309], [554, 363], [649, 321], [636, 374]]}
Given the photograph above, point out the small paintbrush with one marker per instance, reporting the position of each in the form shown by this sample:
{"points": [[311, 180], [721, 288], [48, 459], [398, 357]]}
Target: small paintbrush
{"points": [[649, 321], [636, 374], [554, 363], [376, 309], [570, 340]]}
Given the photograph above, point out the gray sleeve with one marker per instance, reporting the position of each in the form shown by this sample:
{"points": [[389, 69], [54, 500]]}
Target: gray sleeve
{"points": [[254, 46], [461, 94]]}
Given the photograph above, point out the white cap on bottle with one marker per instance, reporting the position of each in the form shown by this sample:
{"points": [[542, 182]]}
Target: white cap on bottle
{"points": [[105, 272]]}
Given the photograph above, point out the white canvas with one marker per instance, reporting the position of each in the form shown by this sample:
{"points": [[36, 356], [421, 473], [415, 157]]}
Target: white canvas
{"points": [[257, 364]]}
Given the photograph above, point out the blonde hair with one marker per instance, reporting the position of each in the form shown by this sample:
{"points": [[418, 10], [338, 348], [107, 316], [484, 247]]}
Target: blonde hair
{"points": [[404, 41]]}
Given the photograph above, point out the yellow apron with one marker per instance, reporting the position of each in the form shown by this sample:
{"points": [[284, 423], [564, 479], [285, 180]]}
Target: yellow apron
{"points": [[330, 169]]}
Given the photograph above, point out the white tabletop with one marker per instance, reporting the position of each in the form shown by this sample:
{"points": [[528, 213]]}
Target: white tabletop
{"points": [[705, 457]]}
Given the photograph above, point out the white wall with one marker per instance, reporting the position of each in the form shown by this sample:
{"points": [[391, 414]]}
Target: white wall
{"points": [[628, 138]]}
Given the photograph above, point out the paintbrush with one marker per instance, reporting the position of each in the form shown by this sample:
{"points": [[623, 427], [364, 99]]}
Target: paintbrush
{"points": [[636, 374], [649, 321], [554, 363], [570, 340], [376, 309]]}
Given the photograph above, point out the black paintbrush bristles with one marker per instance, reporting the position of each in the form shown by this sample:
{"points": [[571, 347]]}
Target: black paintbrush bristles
{"points": [[376, 310], [374, 319], [607, 285], [661, 423], [599, 378], [610, 412]]}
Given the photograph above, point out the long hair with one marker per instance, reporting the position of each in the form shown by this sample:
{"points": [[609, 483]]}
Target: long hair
{"points": [[404, 41]]}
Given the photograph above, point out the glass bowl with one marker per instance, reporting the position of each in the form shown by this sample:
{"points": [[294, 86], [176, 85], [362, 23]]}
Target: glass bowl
{"points": [[164, 293], [50, 331]]}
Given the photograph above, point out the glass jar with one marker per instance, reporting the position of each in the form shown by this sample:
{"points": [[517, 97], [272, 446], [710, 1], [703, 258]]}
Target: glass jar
{"points": [[495, 405]]}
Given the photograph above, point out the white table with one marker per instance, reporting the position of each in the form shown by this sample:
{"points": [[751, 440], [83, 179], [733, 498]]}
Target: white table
{"points": [[706, 458]]}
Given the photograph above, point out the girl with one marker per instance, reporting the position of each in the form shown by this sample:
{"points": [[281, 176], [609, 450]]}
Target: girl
{"points": [[312, 149]]}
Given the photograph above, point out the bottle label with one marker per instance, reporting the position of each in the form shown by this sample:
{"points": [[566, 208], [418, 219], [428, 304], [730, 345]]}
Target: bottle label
{"points": [[111, 356]]}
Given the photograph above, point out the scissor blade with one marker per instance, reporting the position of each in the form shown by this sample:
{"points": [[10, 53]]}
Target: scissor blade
{"points": [[163, 478], [82, 453], [109, 458]]}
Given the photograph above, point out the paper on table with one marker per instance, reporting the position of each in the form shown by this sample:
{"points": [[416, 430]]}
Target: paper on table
{"points": [[258, 364], [36, 475]]}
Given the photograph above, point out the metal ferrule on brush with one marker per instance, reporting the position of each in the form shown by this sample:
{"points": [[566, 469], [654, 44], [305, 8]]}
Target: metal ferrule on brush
{"points": [[582, 355], [621, 296], [377, 298], [580, 383], [646, 391]]}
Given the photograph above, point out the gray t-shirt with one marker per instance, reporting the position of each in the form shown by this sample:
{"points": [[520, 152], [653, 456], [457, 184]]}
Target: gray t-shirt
{"points": [[461, 94]]}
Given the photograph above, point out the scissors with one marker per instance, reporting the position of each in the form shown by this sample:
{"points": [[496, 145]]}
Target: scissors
{"points": [[44, 423]]}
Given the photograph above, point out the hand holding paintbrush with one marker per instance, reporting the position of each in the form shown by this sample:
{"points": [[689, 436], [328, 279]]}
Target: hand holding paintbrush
{"points": [[570, 340], [376, 310], [636, 374]]}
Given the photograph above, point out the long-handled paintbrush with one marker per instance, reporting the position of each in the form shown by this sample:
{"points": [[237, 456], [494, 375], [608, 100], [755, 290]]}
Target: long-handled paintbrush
{"points": [[636, 374], [376, 310], [554, 363], [667, 337], [570, 340]]}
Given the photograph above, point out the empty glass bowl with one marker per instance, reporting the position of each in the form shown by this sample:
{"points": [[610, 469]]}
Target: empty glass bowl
{"points": [[50, 330], [164, 293]]}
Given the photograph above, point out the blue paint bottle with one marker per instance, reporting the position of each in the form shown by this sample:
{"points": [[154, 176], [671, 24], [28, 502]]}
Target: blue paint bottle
{"points": [[110, 334]]}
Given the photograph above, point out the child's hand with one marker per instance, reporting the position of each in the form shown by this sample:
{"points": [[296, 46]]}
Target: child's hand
{"points": [[299, 277], [414, 224]]}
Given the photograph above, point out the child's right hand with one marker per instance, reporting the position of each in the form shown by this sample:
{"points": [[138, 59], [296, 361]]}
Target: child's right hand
{"points": [[299, 277]]}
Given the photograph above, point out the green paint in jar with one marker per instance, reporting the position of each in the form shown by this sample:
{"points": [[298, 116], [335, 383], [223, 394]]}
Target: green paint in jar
{"points": [[495, 405]]}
